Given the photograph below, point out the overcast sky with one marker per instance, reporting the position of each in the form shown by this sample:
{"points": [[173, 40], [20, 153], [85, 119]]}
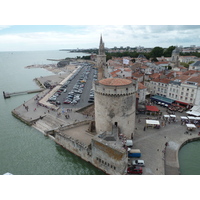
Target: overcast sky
{"points": [[81, 31], [53, 37]]}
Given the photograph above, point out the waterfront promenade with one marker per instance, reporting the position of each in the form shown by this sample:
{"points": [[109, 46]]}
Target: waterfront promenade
{"points": [[159, 158], [41, 114]]}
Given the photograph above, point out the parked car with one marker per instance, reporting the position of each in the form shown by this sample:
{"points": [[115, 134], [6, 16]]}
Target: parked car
{"points": [[58, 103], [76, 98], [138, 163], [53, 98], [74, 102], [90, 101], [134, 170], [67, 102]]}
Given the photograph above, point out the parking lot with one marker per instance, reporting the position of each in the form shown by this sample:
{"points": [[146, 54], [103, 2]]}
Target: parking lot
{"points": [[77, 91]]}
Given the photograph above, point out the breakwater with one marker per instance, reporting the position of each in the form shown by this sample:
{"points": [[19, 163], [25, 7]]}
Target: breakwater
{"points": [[8, 95]]}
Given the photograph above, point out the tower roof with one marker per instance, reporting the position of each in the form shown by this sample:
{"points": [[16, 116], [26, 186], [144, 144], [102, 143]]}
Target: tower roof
{"points": [[101, 47], [176, 51], [115, 81]]}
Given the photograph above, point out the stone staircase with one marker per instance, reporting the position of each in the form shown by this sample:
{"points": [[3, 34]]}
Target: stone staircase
{"points": [[48, 122]]}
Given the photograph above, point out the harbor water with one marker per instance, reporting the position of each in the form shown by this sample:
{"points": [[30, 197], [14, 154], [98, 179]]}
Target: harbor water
{"points": [[26, 151]]}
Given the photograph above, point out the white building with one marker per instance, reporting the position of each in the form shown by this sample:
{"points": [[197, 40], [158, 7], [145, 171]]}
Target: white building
{"points": [[142, 92], [185, 90], [195, 66]]}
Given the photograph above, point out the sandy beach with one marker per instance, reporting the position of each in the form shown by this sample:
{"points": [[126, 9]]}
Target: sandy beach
{"points": [[53, 68]]}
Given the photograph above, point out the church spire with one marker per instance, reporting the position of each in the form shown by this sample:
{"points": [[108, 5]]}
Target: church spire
{"points": [[101, 47]]}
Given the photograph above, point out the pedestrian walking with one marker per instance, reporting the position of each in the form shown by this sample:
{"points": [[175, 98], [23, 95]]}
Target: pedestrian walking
{"points": [[144, 128]]}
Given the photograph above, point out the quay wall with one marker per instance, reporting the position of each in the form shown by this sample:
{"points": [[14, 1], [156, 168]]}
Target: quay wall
{"points": [[21, 118], [172, 166], [102, 154], [98, 155], [74, 146], [108, 157]]}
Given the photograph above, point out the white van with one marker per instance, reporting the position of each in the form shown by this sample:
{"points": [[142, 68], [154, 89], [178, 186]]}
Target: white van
{"points": [[129, 143]]}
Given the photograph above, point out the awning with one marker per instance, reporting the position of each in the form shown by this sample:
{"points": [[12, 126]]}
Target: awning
{"points": [[162, 99], [196, 114], [174, 116], [153, 122], [190, 126], [192, 118], [152, 108], [182, 103], [194, 111], [183, 117], [166, 116]]}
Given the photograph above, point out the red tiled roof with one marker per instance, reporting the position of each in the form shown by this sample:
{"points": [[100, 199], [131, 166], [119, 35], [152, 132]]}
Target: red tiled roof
{"points": [[115, 81], [182, 77], [152, 108], [141, 86], [158, 63], [164, 80], [195, 79], [127, 69], [155, 75], [190, 72], [137, 74], [113, 74], [144, 67]]}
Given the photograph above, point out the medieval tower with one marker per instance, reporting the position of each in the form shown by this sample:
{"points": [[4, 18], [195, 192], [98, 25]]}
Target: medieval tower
{"points": [[114, 101], [101, 60], [115, 106]]}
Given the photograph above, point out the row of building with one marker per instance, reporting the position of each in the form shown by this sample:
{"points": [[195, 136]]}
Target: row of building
{"points": [[166, 78]]}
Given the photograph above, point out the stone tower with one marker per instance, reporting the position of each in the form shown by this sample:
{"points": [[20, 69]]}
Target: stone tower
{"points": [[175, 57], [101, 60], [115, 106]]}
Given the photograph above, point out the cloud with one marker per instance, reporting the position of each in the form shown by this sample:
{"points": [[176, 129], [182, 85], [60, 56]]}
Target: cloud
{"points": [[4, 27], [88, 36]]}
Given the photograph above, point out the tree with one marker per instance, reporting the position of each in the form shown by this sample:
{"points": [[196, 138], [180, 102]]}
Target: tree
{"points": [[156, 52], [168, 51], [154, 59]]}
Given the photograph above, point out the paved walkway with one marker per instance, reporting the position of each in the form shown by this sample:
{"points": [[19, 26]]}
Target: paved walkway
{"points": [[31, 111], [160, 159]]}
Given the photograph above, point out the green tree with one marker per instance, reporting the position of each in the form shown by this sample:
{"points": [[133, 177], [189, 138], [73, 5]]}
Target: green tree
{"points": [[168, 51], [156, 52]]}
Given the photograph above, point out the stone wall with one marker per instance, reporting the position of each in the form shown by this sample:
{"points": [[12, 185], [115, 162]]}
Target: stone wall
{"points": [[74, 146], [109, 158], [104, 155]]}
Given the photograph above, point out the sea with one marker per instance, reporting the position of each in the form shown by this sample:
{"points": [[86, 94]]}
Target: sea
{"points": [[23, 149], [26, 151]]}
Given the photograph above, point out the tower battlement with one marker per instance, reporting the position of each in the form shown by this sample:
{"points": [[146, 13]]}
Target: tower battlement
{"points": [[116, 90]]}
